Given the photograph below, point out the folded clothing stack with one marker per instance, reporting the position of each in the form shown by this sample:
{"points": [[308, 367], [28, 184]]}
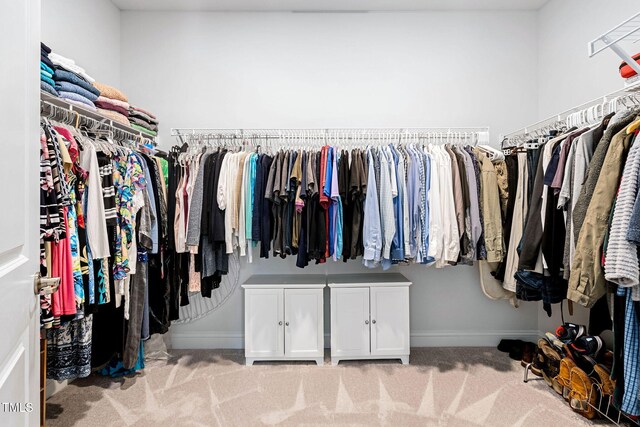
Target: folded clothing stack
{"points": [[74, 88], [143, 121], [112, 103], [46, 71]]}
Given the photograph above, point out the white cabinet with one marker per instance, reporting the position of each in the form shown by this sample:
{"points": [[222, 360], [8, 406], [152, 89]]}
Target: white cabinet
{"points": [[284, 318], [369, 317]]}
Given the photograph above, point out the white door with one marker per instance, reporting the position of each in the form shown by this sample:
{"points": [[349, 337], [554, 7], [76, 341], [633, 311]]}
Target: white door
{"points": [[19, 240], [304, 323], [349, 322], [264, 322], [389, 321]]}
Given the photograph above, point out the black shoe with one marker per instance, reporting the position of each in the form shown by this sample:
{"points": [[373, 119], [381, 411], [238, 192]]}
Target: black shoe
{"points": [[569, 332]]}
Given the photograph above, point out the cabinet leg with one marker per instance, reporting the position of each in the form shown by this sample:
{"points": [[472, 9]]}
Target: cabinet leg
{"points": [[404, 360], [320, 361], [249, 361], [334, 361]]}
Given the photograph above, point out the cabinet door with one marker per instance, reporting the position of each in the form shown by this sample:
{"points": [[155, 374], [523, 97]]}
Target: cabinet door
{"points": [[264, 322], [350, 322], [304, 323], [389, 320]]}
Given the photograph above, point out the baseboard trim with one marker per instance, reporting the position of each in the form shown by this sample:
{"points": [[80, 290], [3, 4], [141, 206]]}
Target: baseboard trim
{"points": [[235, 340]]}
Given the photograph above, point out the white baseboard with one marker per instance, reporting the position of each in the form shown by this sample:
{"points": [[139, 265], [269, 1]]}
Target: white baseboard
{"points": [[235, 340], [468, 338]]}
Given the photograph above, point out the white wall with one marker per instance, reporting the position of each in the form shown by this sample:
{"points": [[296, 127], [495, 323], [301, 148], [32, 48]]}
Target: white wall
{"points": [[87, 31], [568, 77], [343, 70]]}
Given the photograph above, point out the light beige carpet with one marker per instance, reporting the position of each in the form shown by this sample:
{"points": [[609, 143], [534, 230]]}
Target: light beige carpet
{"points": [[443, 387]]}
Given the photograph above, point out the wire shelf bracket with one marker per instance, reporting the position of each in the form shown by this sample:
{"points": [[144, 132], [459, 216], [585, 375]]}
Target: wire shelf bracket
{"points": [[627, 31]]}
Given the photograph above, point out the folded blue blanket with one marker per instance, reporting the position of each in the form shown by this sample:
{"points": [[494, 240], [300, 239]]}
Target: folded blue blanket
{"points": [[61, 85], [76, 97], [46, 74], [68, 76], [45, 67], [48, 88], [47, 80]]}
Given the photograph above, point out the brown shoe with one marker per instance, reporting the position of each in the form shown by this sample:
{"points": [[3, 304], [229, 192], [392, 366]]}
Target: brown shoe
{"points": [[528, 353], [583, 395], [562, 381], [551, 362]]}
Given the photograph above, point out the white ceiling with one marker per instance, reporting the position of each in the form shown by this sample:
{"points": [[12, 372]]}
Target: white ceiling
{"points": [[326, 5]]}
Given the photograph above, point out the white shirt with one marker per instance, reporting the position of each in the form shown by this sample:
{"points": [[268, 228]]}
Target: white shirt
{"points": [[450, 234], [95, 221], [435, 206]]}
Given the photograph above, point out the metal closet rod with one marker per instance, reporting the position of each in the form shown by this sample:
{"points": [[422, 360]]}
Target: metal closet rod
{"points": [[315, 132], [614, 96]]}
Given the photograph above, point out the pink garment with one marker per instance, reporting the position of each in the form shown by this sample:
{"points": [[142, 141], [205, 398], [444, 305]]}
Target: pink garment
{"points": [[73, 145], [64, 299], [143, 111], [115, 102]]}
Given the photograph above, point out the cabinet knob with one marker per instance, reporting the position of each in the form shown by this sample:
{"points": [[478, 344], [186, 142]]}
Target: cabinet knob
{"points": [[373, 321], [286, 323], [366, 322], [280, 323]]}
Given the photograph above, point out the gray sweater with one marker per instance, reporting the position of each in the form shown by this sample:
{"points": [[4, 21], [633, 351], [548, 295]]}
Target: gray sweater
{"points": [[195, 208]]}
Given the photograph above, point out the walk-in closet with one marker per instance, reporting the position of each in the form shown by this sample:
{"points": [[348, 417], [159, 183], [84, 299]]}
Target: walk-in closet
{"points": [[320, 212]]}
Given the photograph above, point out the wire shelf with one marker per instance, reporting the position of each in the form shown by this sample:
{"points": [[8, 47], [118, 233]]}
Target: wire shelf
{"points": [[627, 31]]}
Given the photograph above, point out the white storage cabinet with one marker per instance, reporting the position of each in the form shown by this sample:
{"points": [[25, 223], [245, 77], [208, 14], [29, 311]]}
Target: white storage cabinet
{"points": [[284, 318], [369, 317]]}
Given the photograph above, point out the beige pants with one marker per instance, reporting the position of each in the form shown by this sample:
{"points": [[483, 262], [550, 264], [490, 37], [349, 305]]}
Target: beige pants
{"points": [[517, 226]]}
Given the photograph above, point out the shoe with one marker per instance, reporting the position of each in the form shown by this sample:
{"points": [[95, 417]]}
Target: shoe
{"points": [[588, 345], [537, 365], [506, 346], [551, 361], [554, 341], [583, 395], [569, 332], [605, 387], [582, 360], [528, 353], [562, 382]]}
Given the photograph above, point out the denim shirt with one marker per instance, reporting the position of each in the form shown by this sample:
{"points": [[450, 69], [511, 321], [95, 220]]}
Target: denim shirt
{"points": [[372, 233], [413, 194]]}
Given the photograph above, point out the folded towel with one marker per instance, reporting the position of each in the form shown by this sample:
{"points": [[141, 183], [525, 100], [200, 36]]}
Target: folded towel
{"points": [[45, 60], [144, 129], [142, 116], [111, 107], [62, 85], [45, 67], [70, 65], [110, 92], [47, 80], [67, 76], [75, 97], [45, 48], [46, 74], [143, 123], [116, 102], [143, 112], [116, 117], [48, 88]]}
